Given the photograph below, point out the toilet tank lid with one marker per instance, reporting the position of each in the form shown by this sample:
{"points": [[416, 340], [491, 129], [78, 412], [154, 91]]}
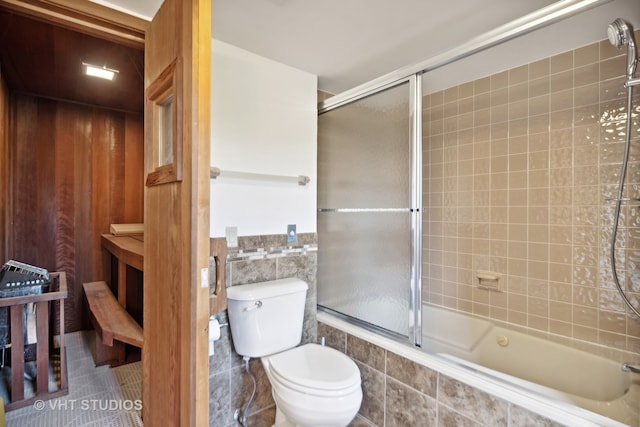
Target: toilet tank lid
{"points": [[271, 288]]}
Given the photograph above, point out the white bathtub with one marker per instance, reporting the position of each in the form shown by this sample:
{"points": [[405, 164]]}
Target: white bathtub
{"points": [[552, 369], [564, 384]]}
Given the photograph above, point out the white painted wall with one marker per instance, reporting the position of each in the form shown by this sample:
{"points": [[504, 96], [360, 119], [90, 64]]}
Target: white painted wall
{"points": [[263, 120]]}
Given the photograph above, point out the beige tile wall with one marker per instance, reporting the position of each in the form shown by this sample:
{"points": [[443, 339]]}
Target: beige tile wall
{"points": [[517, 169]]}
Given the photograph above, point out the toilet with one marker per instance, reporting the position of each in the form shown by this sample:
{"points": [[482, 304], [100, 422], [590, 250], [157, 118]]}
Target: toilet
{"points": [[312, 385]]}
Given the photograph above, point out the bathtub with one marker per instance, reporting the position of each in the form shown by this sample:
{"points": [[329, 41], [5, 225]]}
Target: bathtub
{"points": [[567, 385]]}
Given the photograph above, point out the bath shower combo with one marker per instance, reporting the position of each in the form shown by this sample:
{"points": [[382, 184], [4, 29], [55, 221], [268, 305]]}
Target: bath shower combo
{"points": [[353, 299]]}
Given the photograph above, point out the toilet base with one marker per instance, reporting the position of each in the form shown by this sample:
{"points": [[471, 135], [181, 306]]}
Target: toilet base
{"points": [[282, 420]]}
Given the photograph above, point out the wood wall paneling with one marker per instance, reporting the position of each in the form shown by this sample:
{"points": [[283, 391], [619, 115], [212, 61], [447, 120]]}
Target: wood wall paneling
{"points": [[4, 169], [70, 182], [90, 160], [133, 170]]}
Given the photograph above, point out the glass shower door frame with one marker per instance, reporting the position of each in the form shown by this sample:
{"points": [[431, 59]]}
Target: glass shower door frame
{"points": [[414, 287], [415, 299]]}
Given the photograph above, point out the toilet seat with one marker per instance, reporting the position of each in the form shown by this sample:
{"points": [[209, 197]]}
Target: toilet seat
{"points": [[315, 369]]}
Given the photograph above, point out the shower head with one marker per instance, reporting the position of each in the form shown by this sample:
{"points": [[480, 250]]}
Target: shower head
{"points": [[620, 33]]}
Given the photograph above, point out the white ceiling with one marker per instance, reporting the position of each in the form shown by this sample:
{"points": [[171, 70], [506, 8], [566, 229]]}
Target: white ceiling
{"points": [[349, 42]]}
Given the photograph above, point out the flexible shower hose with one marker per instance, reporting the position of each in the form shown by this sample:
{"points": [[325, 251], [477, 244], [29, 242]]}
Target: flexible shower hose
{"points": [[618, 201]]}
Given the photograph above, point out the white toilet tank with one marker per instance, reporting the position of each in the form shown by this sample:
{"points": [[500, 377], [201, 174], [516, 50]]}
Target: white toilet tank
{"points": [[266, 317]]}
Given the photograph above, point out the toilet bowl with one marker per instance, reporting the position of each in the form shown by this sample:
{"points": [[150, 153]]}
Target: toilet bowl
{"points": [[314, 385]]}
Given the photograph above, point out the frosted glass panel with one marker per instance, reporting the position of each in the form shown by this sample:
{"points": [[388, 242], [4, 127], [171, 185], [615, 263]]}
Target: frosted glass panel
{"points": [[364, 267], [364, 152], [364, 217]]}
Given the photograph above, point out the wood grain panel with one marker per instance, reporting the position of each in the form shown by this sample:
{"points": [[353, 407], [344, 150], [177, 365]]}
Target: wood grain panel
{"points": [[175, 370], [81, 123], [103, 141], [133, 169], [43, 174], [164, 275], [25, 232], [69, 178], [4, 169], [72, 128]]}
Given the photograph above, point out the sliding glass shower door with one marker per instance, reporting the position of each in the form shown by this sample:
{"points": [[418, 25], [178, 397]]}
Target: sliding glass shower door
{"points": [[368, 208]]}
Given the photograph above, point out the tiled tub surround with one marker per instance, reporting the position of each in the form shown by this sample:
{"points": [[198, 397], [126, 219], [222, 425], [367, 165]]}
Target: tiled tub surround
{"points": [[258, 259], [404, 386], [518, 167]]}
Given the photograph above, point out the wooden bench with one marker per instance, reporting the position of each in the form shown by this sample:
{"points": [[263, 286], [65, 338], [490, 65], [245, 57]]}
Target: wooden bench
{"points": [[113, 325]]}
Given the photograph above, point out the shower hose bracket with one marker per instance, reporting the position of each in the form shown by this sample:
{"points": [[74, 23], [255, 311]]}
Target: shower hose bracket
{"points": [[631, 367]]}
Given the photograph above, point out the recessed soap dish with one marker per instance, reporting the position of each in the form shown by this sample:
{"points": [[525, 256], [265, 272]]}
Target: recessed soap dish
{"points": [[489, 280]]}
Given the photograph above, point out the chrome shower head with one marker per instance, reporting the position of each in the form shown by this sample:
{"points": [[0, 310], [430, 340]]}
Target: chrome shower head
{"points": [[620, 33]]}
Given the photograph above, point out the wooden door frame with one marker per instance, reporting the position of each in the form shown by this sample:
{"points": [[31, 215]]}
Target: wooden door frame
{"points": [[86, 17], [119, 27]]}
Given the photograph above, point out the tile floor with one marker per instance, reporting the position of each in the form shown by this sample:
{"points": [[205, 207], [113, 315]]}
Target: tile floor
{"points": [[98, 396]]}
